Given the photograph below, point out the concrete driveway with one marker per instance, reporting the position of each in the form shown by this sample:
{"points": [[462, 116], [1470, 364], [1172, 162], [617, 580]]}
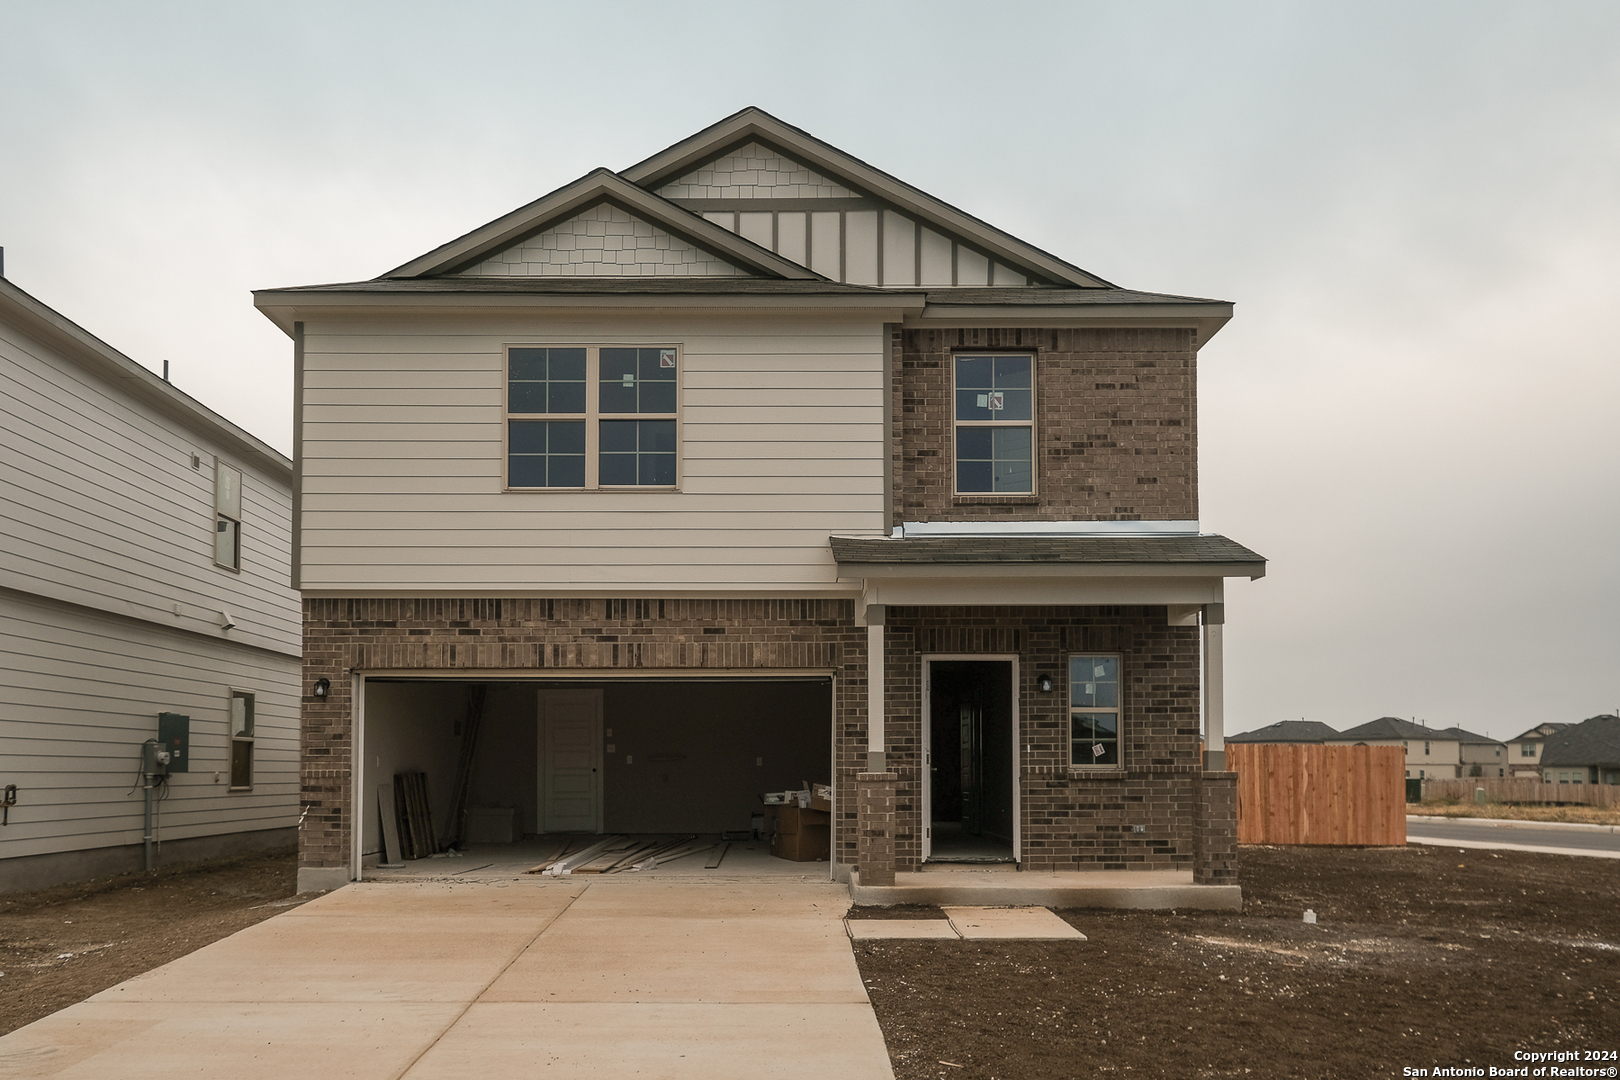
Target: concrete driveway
{"points": [[553, 977]]}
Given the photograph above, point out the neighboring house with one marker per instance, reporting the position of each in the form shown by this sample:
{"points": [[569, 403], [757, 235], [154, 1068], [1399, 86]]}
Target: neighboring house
{"points": [[750, 465], [1584, 753], [1287, 731], [1524, 752], [1431, 753], [145, 571], [1479, 755]]}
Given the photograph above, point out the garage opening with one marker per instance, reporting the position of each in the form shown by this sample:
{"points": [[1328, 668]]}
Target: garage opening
{"points": [[632, 756]]}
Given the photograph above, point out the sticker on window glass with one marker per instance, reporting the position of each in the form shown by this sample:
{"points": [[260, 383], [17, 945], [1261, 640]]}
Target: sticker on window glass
{"points": [[1098, 750], [1099, 671], [629, 380], [666, 357], [996, 402], [1091, 688]]}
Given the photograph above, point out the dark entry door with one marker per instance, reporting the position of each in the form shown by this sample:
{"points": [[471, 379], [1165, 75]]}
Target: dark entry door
{"points": [[971, 750]]}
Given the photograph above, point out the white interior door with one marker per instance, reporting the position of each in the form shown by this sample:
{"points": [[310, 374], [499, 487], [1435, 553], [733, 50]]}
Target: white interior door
{"points": [[569, 770]]}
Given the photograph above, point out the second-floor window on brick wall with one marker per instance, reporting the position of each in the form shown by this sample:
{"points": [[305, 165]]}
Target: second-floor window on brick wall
{"points": [[994, 406], [592, 416]]}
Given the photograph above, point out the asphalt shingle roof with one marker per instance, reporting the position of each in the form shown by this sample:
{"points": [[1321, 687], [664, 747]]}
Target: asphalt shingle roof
{"points": [[1591, 742], [1287, 731], [945, 550], [1391, 727]]}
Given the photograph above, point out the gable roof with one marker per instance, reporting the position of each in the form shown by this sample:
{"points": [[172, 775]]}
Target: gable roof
{"points": [[1392, 727], [1468, 737], [756, 125], [1286, 731], [1591, 742], [1539, 732], [588, 191]]}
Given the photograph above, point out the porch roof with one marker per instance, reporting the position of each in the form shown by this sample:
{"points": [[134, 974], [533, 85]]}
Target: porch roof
{"points": [[1205, 551]]}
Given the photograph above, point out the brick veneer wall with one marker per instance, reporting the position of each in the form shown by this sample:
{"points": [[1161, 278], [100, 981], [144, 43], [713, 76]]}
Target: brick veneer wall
{"points": [[539, 637], [1115, 424], [1071, 820]]}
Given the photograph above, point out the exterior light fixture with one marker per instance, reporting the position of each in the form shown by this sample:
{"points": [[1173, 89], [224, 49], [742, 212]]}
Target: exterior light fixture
{"points": [[322, 688], [1043, 683]]}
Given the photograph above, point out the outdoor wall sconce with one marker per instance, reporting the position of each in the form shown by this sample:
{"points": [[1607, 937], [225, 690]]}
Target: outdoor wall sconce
{"points": [[1043, 683], [322, 688]]}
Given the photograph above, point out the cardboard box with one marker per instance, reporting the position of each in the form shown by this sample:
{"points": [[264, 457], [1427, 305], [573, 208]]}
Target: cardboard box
{"points": [[820, 796], [812, 842], [792, 819]]}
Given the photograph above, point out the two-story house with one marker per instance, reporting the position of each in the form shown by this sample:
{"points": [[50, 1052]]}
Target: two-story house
{"points": [[749, 464], [143, 572], [1431, 753], [1524, 751]]}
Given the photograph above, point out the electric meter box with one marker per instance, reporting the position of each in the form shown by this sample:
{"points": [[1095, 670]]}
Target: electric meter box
{"points": [[174, 735]]}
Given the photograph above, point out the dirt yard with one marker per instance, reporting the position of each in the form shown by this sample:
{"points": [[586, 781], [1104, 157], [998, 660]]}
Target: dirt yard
{"points": [[60, 946], [1422, 957]]}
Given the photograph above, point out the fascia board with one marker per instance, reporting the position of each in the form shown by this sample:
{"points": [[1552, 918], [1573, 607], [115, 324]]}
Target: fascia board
{"points": [[597, 186], [756, 123], [77, 344], [283, 308], [1042, 592], [1207, 319], [848, 571]]}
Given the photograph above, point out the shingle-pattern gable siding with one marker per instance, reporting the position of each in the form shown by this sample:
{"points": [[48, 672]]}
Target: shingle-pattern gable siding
{"points": [[604, 241], [1116, 426], [754, 171]]}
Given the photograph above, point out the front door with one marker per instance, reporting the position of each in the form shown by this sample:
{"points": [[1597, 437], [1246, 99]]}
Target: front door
{"points": [[570, 761], [969, 712]]}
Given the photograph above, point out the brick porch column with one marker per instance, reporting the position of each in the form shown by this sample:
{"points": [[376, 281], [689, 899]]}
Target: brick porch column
{"points": [[1215, 850], [874, 827]]}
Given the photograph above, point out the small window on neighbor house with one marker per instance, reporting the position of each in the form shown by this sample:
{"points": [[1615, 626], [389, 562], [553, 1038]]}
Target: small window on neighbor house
{"points": [[1094, 711], [227, 516], [241, 739], [994, 408], [1425, 749], [1527, 749]]}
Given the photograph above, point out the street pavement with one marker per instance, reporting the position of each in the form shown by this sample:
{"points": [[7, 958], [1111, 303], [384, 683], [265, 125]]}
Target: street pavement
{"points": [[1600, 841]]}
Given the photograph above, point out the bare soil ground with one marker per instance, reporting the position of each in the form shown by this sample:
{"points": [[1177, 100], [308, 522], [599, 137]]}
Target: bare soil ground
{"points": [[60, 946], [1423, 957]]}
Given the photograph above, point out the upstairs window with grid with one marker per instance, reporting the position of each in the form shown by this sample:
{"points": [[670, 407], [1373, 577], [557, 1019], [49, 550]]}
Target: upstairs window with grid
{"points": [[589, 417], [994, 406]]}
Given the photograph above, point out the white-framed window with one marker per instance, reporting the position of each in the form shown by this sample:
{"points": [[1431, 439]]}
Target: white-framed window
{"points": [[227, 515], [993, 397], [1527, 749], [1095, 708], [241, 739], [586, 417]]}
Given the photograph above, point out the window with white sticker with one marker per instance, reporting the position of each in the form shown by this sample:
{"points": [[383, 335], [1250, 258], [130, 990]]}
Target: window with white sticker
{"points": [[589, 417], [994, 409], [1094, 711]]}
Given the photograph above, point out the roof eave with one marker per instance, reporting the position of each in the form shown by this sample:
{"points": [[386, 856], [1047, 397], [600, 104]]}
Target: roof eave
{"points": [[1206, 319]]}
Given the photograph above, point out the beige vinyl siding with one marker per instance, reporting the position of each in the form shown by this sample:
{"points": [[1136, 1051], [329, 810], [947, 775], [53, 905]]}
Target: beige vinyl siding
{"points": [[79, 694], [781, 444], [102, 508]]}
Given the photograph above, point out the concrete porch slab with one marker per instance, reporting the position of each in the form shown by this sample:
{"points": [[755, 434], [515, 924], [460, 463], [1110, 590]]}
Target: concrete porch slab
{"points": [[1125, 889], [1022, 923], [900, 929]]}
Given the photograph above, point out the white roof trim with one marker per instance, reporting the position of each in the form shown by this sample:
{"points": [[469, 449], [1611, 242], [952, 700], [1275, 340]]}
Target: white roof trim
{"points": [[598, 186], [754, 123], [1047, 528]]}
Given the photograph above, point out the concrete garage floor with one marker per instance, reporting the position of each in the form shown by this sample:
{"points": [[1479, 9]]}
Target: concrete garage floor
{"points": [[604, 976]]}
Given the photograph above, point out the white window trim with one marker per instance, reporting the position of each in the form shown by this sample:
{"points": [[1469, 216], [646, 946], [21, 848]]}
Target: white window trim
{"points": [[1034, 412], [1118, 710], [593, 415], [235, 566], [231, 738]]}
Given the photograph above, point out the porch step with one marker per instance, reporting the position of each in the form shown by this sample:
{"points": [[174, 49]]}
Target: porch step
{"points": [[1139, 890]]}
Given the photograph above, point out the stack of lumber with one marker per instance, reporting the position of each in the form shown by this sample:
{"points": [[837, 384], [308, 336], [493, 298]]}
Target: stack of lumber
{"points": [[416, 840], [617, 854]]}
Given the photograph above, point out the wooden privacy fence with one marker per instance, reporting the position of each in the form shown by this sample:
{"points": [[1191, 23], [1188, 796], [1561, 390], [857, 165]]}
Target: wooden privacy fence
{"points": [[1505, 790], [1300, 793]]}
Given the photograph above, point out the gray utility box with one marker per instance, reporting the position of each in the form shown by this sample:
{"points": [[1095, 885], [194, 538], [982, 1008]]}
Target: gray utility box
{"points": [[174, 735]]}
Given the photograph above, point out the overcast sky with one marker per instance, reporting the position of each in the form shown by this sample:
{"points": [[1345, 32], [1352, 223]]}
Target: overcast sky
{"points": [[1415, 208]]}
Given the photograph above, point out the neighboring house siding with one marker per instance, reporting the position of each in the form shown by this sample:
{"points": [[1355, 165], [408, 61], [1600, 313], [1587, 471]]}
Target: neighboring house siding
{"points": [[781, 435], [1115, 426], [101, 507], [80, 691]]}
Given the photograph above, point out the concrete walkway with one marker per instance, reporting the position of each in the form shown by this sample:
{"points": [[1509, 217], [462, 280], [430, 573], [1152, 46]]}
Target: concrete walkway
{"points": [[553, 977]]}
